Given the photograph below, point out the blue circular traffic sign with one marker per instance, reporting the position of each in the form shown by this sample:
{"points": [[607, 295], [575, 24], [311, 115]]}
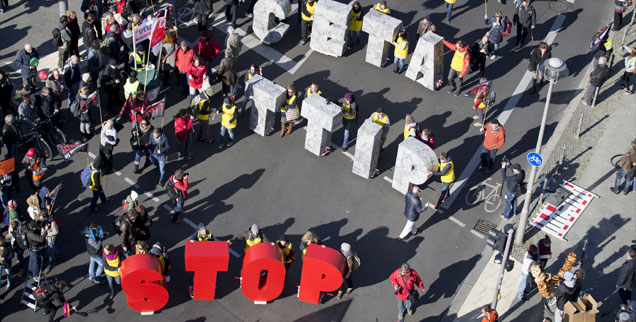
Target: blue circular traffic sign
{"points": [[535, 159]]}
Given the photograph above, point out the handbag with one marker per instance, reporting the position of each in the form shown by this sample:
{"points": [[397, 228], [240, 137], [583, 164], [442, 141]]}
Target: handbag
{"points": [[292, 114], [414, 295]]}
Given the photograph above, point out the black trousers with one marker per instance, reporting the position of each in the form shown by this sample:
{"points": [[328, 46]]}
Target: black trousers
{"points": [[107, 157]]}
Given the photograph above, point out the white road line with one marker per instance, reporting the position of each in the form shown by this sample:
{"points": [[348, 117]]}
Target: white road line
{"points": [[455, 220], [474, 232], [90, 154], [118, 173], [502, 118], [349, 155], [388, 179], [151, 196], [132, 183], [189, 222]]}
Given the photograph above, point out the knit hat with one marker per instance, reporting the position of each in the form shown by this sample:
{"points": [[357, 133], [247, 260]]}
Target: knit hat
{"points": [[97, 164], [209, 91], [113, 62], [345, 248], [282, 238], [134, 195], [254, 229], [12, 205], [347, 96]]}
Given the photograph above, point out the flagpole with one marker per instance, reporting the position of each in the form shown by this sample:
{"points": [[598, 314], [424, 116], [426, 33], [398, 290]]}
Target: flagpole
{"points": [[99, 103], [134, 48]]}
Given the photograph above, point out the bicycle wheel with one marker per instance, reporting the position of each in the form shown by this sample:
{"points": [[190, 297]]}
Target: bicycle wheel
{"points": [[615, 160], [492, 203], [549, 303], [44, 149], [56, 136], [473, 196]]}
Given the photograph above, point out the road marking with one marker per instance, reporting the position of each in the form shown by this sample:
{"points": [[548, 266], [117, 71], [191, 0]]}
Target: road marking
{"points": [[118, 173], [195, 227], [151, 196], [132, 183], [90, 154], [503, 117], [455, 220], [388, 179], [349, 155], [474, 232]]}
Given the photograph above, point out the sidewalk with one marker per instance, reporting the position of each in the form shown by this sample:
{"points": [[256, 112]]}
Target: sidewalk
{"points": [[608, 223]]}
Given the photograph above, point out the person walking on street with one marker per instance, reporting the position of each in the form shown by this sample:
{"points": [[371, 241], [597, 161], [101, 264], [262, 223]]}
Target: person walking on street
{"points": [[481, 100], [197, 76], [526, 20], [459, 65], [597, 77], [227, 74], [72, 78], [349, 117], [449, 10], [307, 8], [480, 51], [355, 25], [36, 235], [201, 106], [425, 25], [627, 277], [108, 140], [183, 59], [353, 263], [62, 41], [112, 264], [378, 117], [626, 170], [513, 187], [94, 236], [497, 26], [494, 139], [51, 236], [95, 183], [228, 121], [538, 56], [231, 11], [412, 209], [447, 176], [127, 232], [158, 145], [404, 281], [177, 189], [528, 260], [139, 140], [202, 9], [490, 314], [27, 60], [567, 291], [73, 25], [183, 132], [233, 42], [630, 69]]}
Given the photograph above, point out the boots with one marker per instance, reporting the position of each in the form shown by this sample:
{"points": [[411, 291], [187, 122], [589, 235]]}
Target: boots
{"points": [[136, 168], [289, 129], [282, 130], [147, 163], [534, 86]]}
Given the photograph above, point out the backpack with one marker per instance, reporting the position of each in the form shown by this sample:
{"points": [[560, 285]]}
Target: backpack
{"points": [[491, 98], [85, 175], [44, 292], [57, 37], [522, 188], [507, 26], [75, 108], [170, 189], [117, 224]]}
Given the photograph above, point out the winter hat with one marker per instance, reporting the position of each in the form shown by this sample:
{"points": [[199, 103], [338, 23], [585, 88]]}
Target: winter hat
{"points": [[405, 268], [282, 238], [113, 62], [345, 248], [209, 91], [12, 205], [134, 195], [156, 250], [254, 229], [30, 153], [379, 110], [427, 17], [347, 96]]}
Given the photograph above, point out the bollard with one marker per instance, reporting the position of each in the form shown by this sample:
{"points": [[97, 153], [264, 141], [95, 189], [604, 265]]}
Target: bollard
{"points": [[595, 96], [578, 129]]}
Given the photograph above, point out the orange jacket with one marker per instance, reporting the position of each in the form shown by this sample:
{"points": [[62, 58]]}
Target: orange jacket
{"points": [[494, 139], [453, 47]]}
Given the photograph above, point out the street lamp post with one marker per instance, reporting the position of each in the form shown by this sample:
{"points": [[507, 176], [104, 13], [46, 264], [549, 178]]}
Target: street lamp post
{"points": [[555, 68]]}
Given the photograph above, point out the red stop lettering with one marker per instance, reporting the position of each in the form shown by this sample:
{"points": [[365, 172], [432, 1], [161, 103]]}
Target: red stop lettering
{"points": [[323, 270], [143, 283], [205, 258], [263, 257]]}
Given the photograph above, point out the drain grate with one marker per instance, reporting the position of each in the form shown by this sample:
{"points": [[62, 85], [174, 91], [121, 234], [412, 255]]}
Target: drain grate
{"points": [[484, 226], [562, 6]]}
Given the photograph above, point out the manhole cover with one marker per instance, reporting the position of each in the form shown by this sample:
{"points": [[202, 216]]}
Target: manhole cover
{"points": [[484, 226], [561, 6]]}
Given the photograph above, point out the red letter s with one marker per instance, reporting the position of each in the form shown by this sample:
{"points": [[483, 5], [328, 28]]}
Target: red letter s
{"points": [[143, 283]]}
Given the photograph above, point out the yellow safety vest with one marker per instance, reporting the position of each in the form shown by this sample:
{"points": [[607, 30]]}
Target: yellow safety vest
{"points": [[451, 1], [347, 108], [130, 89], [249, 76], [228, 114], [288, 102], [309, 93], [450, 175], [92, 185], [202, 116], [140, 61], [286, 250], [253, 241], [206, 237], [407, 129], [384, 11], [112, 263], [310, 9], [458, 60], [609, 44], [355, 25], [382, 121], [401, 53]]}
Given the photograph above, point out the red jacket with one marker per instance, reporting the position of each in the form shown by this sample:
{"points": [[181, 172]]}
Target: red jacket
{"points": [[181, 185], [196, 75], [493, 138], [183, 59], [453, 47], [207, 48], [412, 279], [134, 106], [182, 125]]}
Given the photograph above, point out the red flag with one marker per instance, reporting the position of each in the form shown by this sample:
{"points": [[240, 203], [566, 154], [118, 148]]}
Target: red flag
{"points": [[158, 31], [69, 149]]}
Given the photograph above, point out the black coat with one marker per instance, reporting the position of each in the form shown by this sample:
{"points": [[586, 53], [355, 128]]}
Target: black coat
{"points": [[536, 58], [599, 75], [108, 77], [412, 206], [627, 275], [10, 134], [88, 33], [46, 105], [512, 181], [565, 294]]}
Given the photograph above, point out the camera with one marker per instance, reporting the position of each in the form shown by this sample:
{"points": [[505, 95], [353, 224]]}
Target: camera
{"points": [[398, 290]]}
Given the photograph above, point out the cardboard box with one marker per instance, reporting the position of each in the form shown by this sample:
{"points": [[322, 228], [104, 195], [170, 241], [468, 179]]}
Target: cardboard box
{"points": [[583, 310]]}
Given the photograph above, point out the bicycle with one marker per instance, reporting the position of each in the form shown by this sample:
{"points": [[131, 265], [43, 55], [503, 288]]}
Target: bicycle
{"points": [[492, 200], [34, 139]]}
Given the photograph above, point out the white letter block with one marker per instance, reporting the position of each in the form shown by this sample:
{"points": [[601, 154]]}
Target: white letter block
{"points": [[367, 149], [267, 96], [427, 64], [330, 29], [323, 118], [265, 11], [414, 160], [382, 30]]}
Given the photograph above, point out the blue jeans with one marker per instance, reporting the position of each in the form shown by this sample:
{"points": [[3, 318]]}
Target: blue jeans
{"points": [[449, 10], [116, 279], [445, 192], [495, 48], [347, 124], [522, 286], [97, 195], [398, 63], [177, 209], [230, 133], [7, 270], [139, 153], [35, 259], [160, 161], [91, 268], [184, 81], [403, 306], [50, 254], [354, 38], [488, 157], [620, 175], [72, 92], [511, 200], [19, 256]]}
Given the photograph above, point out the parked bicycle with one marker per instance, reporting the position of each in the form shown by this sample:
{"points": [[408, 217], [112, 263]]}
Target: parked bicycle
{"points": [[35, 138]]}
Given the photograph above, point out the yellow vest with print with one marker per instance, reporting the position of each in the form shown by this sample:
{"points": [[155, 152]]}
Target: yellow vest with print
{"points": [[228, 114], [206, 237], [451, 1], [249, 242], [384, 11], [140, 61], [204, 109], [94, 172], [347, 111], [290, 102], [310, 9], [383, 121], [130, 89], [309, 93], [401, 53], [458, 60], [355, 25], [113, 263], [285, 252], [450, 175], [407, 129]]}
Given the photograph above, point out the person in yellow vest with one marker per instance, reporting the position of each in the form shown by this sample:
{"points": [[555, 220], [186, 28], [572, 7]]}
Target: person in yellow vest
{"points": [[35, 168], [480, 102], [307, 8], [355, 25], [137, 60], [382, 7], [95, 183], [401, 51], [131, 87], [308, 238], [291, 102], [142, 247], [349, 116], [446, 174], [312, 89], [411, 128], [382, 119], [449, 9], [228, 121], [201, 106], [288, 252], [254, 235], [253, 71], [112, 263], [459, 65]]}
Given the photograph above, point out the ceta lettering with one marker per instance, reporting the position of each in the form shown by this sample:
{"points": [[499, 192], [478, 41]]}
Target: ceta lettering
{"points": [[143, 283], [330, 29], [263, 273], [323, 270], [267, 96], [205, 259], [264, 23], [323, 118]]}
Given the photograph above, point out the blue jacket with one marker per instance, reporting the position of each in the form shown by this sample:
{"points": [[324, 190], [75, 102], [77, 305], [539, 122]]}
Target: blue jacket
{"points": [[412, 206], [494, 35], [23, 60], [159, 144]]}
